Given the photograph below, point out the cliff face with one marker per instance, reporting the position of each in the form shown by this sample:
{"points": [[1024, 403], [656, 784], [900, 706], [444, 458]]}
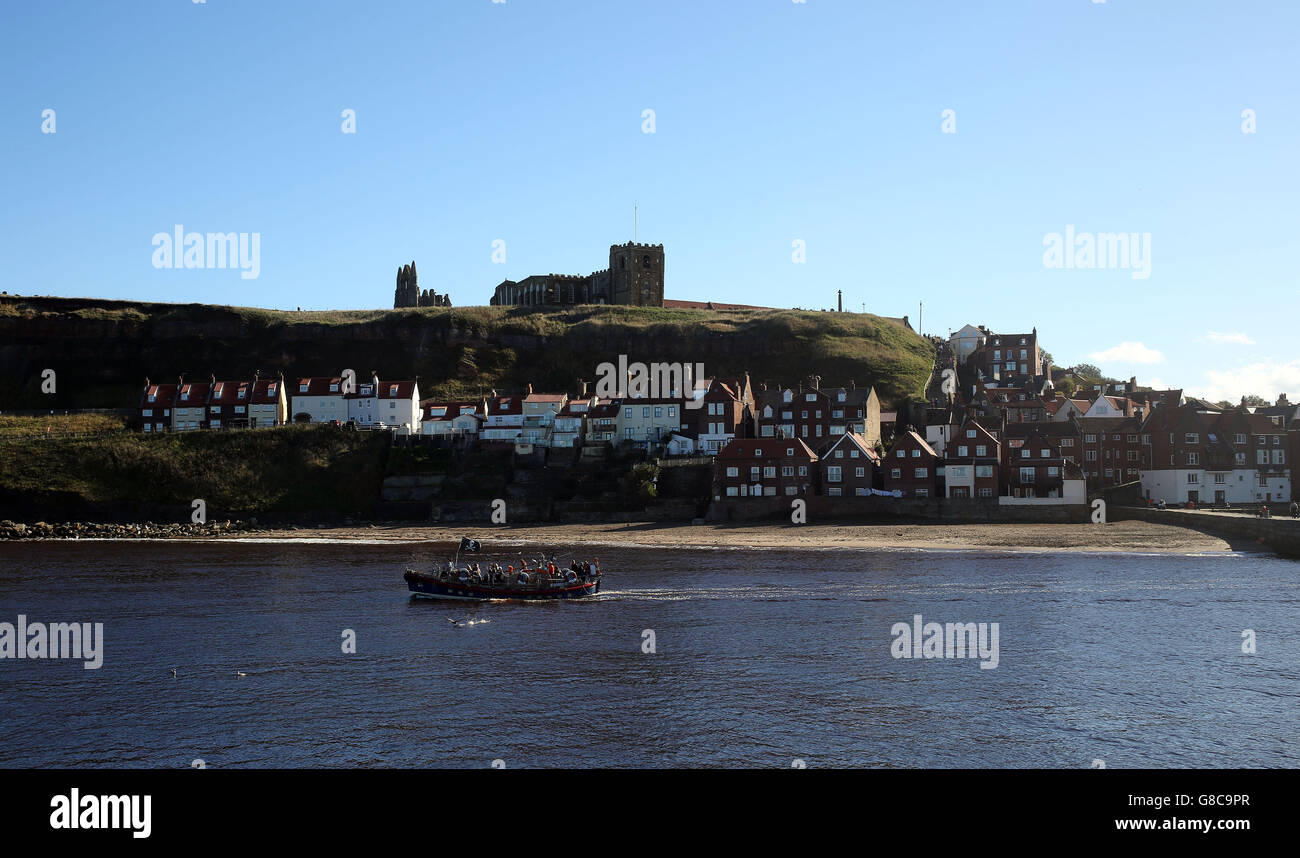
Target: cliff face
{"points": [[101, 351]]}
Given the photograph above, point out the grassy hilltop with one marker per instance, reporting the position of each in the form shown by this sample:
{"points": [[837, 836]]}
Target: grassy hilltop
{"points": [[102, 350]]}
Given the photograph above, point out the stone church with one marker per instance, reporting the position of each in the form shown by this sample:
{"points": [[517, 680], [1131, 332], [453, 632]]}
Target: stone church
{"points": [[635, 276]]}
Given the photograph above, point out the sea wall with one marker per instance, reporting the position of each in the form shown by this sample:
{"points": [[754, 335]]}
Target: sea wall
{"points": [[948, 509], [1280, 534]]}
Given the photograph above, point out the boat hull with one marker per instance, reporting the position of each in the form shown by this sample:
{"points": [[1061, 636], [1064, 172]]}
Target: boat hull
{"points": [[433, 588]]}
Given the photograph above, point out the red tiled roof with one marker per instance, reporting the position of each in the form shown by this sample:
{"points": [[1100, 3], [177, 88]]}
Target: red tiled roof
{"points": [[396, 389], [318, 386], [267, 391], [773, 448], [163, 395], [504, 405], [227, 392], [671, 304]]}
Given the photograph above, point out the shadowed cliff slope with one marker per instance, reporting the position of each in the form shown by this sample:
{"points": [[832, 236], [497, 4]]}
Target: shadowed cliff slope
{"points": [[102, 350]]}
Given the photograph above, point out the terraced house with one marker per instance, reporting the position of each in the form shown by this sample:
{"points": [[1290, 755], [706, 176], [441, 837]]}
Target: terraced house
{"points": [[848, 467], [269, 404], [764, 468], [815, 414], [911, 467], [156, 402], [190, 410], [973, 466]]}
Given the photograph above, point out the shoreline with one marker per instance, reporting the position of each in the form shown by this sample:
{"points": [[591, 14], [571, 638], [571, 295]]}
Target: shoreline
{"points": [[1125, 537], [1117, 537]]}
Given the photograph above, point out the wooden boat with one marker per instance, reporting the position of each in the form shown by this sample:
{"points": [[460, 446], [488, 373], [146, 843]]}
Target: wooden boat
{"points": [[542, 579]]}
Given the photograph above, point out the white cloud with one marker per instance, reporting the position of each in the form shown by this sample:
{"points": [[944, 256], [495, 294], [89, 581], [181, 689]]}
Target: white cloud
{"points": [[1238, 339], [1127, 353], [1266, 379]]}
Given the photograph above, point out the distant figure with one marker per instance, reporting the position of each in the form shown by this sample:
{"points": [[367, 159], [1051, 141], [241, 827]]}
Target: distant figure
{"points": [[173, 673], [1295, 509], [240, 673]]}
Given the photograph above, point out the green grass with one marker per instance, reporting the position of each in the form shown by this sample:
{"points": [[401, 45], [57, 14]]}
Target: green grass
{"points": [[288, 469]]}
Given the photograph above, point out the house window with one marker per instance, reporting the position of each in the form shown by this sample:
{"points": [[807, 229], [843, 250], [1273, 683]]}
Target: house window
{"points": [[859, 472], [803, 470], [1045, 453], [920, 473], [789, 451], [986, 492], [672, 410], [833, 474], [981, 450], [645, 412], [970, 433], [769, 471], [1192, 438], [1090, 439], [733, 472], [787, 470], [983, 470], [1239, 438], [963, 451], [923, 493], [900, 453], [895, 473], [1067, 442], [916, 454], [1193, 478]]}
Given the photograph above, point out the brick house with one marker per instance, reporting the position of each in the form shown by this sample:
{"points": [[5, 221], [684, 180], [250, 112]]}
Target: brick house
{"points": [[973, 466], [1033, 466], [764, 467], [727, 404], [228, 404], [911, 466], [847, 467], [156, 403], [1113, 452]]}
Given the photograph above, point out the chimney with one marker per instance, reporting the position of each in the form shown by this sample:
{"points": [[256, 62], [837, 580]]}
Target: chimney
{"points": [[530, 389], [853, 385]]}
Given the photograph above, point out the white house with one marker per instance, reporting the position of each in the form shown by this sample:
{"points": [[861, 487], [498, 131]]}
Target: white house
{"points": [[398, 404], [505, 418], [966, 342], [453, 419], [318, 400]]}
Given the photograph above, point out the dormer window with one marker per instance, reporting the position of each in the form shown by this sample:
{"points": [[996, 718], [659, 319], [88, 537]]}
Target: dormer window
{"points": [[334, 388], [392, 390], [842, 396], [270, 388], [787, 396], [217, 390], [302, 388]]}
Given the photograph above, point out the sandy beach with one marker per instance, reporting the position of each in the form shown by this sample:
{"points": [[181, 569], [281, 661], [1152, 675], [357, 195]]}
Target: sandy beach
{"points": [[1125, 536]]}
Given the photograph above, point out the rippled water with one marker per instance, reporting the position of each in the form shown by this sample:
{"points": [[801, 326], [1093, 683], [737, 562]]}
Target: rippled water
{"points": [[763, 657]]}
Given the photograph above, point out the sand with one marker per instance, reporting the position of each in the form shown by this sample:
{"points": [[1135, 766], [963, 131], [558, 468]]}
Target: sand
{"points": [[1124, 536]]}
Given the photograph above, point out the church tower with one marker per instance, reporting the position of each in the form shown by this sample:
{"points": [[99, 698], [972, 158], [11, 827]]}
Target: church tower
{"points": [[636, 274]]}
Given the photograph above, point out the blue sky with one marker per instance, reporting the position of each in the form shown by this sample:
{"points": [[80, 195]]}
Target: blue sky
{"points": [[774, 122]]}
